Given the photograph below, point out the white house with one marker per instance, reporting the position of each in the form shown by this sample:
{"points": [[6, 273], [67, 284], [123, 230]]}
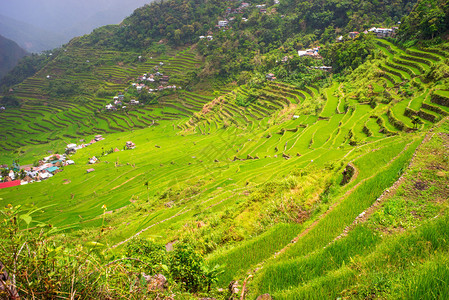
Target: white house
{"points": [[70, 147], [223, 23]]}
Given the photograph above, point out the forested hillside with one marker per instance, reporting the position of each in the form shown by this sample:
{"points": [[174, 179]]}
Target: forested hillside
{"points": [[291, 151]]}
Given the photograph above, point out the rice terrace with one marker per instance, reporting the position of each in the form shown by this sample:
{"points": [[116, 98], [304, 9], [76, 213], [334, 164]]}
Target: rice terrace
{"points": [[219, 150]]}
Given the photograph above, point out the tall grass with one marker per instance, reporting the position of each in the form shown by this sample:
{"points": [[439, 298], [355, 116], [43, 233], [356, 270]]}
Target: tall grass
{"points": [[251, 252], [277, 276]]}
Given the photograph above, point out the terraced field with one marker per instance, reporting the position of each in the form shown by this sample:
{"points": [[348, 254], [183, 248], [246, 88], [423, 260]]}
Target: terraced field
{"points": [[201, 162], [43, 118]]}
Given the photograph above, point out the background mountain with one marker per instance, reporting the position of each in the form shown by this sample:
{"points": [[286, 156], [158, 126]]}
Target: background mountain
{"points": [[10, 54], [30, 37], [58, 21]]}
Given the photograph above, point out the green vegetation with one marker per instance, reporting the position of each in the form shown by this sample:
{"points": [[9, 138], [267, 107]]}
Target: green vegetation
{"points": [[318, 184], [427, 20]]}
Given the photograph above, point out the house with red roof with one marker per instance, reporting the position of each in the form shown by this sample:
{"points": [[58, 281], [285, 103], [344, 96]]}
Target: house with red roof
{"points": [[4, 185]]}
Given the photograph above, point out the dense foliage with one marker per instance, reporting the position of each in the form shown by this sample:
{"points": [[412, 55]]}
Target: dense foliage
{"points": [[428, 19], [285, 27], [349, 54], [43, 266]]}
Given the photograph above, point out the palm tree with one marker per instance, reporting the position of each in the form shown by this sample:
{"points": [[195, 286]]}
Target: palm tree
{"points": [[416, 121]]}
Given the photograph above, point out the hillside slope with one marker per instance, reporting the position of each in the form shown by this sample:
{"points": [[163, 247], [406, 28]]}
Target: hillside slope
{"points": [[10, 54], [230, 178], [239, 183]]}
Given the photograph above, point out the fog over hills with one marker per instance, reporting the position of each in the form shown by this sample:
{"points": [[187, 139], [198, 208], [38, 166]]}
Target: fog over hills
{"points": [[45, 24], [10, 53]]}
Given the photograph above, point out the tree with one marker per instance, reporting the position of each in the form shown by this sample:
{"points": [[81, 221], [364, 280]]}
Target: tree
{"points": [[416, 121], [147, 184]]}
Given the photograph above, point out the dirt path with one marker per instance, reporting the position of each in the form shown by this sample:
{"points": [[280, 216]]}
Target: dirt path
{"points": [[123, 183], [183, 211], [330, 209], [389, 192]]}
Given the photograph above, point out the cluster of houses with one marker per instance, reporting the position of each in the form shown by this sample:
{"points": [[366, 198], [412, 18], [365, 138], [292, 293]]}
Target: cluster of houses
{"points": [[2, 108], [383, 32], [130, 145], [118, 101], [72, 148], [47, 168], [208, 37], [379, 32], [157, 76]]}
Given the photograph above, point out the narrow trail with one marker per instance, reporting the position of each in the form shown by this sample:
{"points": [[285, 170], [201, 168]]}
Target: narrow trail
{"points": [[330, 209], [123, 183], [389, 192], [181, 212]]}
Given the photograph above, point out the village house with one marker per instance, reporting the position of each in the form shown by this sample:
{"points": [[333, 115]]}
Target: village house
{"points": [[270, 77], [90, 170], [121, 97], [223, 23], [383, 32], [202, 37], [310, 52], [71, 148], [27, 179], [110, 107], [9, 184], [134, 102], [98, 138], [323, 68], [130, 145], [285, 59], [244, 5], [353, 34], [263, 11], [210, 38]]}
